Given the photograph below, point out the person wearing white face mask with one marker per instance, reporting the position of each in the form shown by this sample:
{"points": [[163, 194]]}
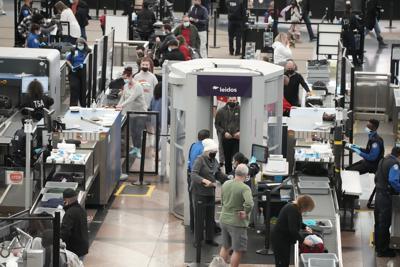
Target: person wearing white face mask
{"points": [[189, 32], [76, 62], [173, 53], [132, 99]]}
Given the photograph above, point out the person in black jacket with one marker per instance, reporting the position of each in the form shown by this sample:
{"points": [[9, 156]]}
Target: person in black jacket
{"points": [[198, 16], [287, 229], [291, 91], [236, 18], [74, 228], [372, 20], [227, 124], [173, 53], [37, 100], [350, 25], [145, 21], [81, 12]]}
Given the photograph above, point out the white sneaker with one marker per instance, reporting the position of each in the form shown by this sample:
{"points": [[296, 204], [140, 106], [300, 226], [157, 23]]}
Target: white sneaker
{"points": [[123, 177], [2, 12]]}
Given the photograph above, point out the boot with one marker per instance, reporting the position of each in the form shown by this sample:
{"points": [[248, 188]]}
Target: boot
{"points": [[381, 42]]}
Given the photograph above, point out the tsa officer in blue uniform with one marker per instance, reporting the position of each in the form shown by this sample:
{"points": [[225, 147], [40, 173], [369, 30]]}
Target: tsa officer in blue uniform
{"points": [[387, 183], [76, 61], [33, 40], [372, 154]]}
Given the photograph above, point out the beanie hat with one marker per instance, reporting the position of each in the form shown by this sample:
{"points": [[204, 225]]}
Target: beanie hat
{"points": [[69, 193], [209, 145]]}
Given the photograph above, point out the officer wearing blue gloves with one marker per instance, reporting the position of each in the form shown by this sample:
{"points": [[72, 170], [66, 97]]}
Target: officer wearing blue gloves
{"points": [[372, 154], [76, 62], [195, 150], [387, 183]]}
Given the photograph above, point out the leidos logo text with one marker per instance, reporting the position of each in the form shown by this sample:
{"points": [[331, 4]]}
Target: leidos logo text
{"points": [[225, 89]]}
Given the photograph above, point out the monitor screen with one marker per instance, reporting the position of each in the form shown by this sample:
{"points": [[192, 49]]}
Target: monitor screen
{"points": [[260, 153], [44, 80]]}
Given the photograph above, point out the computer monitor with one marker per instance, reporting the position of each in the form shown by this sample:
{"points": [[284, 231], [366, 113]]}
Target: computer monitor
{"points": [[260, 153], [44, 80]]}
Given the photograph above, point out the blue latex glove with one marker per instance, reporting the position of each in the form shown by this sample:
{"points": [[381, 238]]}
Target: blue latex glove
{"points": [[81, 66], [73, 69], [355, 147], [37, 151], [356, 150], [253, 160], [43, 44]]}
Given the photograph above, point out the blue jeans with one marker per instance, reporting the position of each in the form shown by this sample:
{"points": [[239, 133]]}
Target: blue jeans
{"points": [[377, 30]]}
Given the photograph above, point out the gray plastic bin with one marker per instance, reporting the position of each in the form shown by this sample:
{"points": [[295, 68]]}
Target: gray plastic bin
{"points": [[321, 263], [313, 179], [324, 256], [314, 187]]}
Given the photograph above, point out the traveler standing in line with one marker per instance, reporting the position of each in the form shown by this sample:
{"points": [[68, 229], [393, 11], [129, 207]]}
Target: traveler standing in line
{"points": [[196, 150], [132, 99], [227, 123], [237, 203], [146, 78], [287, 229], [81, 11], [291, 91], [198, 16], [203, 182], [67, 15], [145, 22], [236, 19], [190, 32]]}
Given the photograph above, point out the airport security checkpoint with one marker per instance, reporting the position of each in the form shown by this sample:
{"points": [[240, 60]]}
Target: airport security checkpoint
{"points": [[199, 133]]}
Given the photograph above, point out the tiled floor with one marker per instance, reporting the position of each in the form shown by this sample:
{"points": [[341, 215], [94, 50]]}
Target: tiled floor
{"points": [[141, 232]]}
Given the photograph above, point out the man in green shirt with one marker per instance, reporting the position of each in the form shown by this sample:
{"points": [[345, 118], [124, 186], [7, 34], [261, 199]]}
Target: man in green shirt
{"points": [[237, 203]]}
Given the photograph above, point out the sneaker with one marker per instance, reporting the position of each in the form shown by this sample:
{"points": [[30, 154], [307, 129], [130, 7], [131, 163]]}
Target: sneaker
{"points": [[3, 13], [133, 152], [389, 253], [123, 177]]}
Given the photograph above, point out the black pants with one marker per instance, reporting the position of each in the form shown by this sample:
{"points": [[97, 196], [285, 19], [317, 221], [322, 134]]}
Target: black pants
{"points": [[383, 220], [231, 147], [281, 248], [235, 31], [77, 87], [191, 207], [363, 167], [204, 218]]}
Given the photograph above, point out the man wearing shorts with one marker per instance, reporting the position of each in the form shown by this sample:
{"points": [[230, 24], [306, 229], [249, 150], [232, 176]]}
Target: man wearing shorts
{"points": [[237, 203]]}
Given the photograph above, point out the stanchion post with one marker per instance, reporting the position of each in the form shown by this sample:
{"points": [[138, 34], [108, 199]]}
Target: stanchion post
{"points": [[56, 239], [391, 16], [267, 250], [198, 232], [215, 31], [142, 159]]}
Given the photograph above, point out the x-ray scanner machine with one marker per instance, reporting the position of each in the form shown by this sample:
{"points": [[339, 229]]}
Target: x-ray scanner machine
{"points": [[192, 86]]}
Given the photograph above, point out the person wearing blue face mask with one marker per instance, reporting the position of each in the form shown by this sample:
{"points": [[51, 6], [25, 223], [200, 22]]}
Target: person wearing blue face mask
{"points": [[76, 62], [373, 152]]}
